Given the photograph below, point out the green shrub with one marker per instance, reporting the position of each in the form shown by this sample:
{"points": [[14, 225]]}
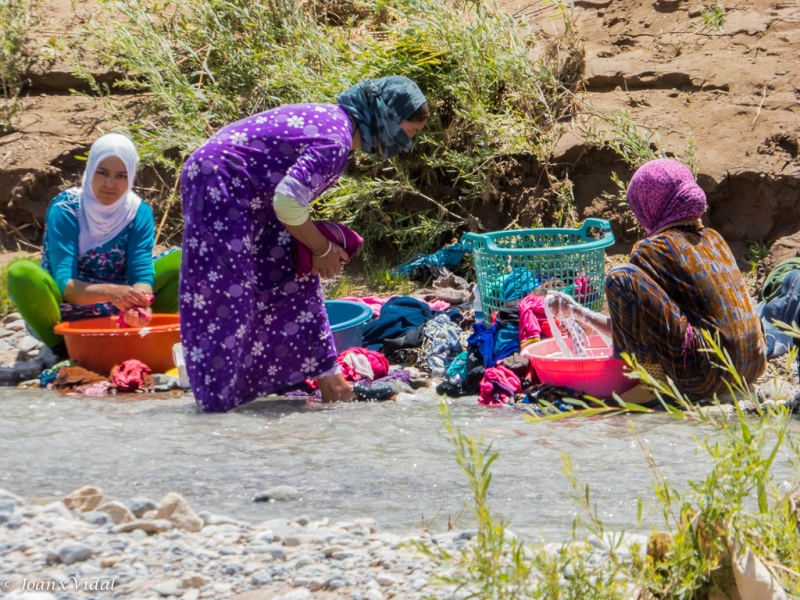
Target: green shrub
{"points": [[738, 504], [16, 21], [497, 90]]}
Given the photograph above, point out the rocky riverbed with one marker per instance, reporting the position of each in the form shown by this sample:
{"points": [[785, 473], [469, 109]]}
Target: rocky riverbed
{"points": [[87, 546], [22, 356]]}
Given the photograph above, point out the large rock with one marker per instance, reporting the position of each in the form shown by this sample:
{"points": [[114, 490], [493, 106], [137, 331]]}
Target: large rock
{"points": [[118, 512], [16, 366], [148, 526], [84, 499], [174, 508]]}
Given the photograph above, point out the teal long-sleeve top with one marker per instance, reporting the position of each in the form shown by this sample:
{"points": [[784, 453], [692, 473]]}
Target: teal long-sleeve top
{"points": [[125, 259]]}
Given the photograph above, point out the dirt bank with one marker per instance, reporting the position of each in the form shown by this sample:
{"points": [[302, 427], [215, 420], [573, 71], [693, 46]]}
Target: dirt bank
{"points": [[731, 89]]}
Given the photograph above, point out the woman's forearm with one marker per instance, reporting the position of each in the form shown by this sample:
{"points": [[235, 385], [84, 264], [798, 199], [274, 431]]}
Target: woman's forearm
{"points": [[309, 235], [81, 292], [121, 295]]}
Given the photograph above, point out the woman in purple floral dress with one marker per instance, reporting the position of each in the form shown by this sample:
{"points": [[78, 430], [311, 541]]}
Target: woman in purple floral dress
{"points": [[250, 324]]}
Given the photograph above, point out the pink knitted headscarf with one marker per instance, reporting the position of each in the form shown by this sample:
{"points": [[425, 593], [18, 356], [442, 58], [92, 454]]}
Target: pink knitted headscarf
{"points": [[664, 191]]}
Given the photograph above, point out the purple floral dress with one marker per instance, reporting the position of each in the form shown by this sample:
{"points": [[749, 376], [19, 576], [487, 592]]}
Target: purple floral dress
{"points": [[250, 326]]}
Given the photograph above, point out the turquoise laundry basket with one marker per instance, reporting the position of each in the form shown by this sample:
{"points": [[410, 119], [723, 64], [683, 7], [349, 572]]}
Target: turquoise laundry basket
{"points": [[512, 264], [347, 322]]}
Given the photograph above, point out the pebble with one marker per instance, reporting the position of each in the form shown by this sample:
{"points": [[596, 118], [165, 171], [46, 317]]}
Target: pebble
{"points": [[138, 506], [71, 552], [260, 578]]}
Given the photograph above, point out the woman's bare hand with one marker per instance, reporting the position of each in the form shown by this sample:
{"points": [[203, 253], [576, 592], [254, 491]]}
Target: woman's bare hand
{"points": [[329, 265], [334, 388], [124, 297], [138, 317]]}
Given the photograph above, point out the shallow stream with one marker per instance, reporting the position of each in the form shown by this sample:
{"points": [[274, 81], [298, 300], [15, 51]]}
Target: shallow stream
{"points": [[387, 460]]}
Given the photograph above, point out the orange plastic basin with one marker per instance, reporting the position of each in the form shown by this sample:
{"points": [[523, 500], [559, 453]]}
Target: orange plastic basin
{"points": [[99, 344]]}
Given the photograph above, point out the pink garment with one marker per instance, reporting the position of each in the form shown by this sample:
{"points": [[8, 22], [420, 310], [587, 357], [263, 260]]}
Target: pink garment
{"points": [[121, 320], [439, 305], [664, 191], [533, 323], [130, 375], [498, 385], [360, 363], [582, 287], [334, 232], [101, 388], [376, 303], [373, 302]]}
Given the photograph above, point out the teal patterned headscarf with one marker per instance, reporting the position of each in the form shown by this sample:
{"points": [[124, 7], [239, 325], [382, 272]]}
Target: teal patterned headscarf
{"points": [[378, 106]]}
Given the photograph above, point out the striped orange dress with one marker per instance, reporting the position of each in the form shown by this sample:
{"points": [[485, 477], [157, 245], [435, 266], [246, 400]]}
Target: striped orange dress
{"points": [[678, 282]]}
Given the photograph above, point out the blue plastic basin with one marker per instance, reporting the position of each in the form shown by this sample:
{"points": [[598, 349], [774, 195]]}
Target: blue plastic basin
{"points": [[347, 322]]}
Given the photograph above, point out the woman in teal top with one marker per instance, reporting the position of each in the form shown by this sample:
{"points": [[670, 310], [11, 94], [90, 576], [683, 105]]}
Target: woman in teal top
{"points": [[97, 256]]}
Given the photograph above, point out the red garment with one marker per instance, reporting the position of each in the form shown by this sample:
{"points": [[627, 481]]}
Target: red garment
{"points": [[360, 363], [131, 375], [533, 323], [498, 385]]}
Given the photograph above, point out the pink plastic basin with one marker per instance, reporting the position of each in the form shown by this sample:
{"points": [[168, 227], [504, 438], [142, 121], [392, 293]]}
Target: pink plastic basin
{"points": [[599, 374]]}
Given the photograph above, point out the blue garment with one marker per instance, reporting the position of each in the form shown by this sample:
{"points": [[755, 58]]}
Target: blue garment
{"points": [[785, 307], [482, 339], [457, 371], [494, 343], [506, 341], [448, 257], [377, 107], [518, 284], [398, 316], [127, 258]]}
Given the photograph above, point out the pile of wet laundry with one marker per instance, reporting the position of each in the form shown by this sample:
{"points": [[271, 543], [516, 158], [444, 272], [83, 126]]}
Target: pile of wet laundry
{"points": [[129, 376], [434, 334]]}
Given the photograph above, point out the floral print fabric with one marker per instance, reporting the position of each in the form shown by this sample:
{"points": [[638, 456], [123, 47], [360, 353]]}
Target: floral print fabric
{"points": [[250, 325], [98, 265]]}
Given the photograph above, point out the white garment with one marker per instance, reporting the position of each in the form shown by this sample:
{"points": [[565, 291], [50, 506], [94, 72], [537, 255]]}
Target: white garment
{"points": [[288, 210], [100, 223]]}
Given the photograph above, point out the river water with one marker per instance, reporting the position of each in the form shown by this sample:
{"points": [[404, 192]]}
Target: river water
{"points": [[389, 460]]}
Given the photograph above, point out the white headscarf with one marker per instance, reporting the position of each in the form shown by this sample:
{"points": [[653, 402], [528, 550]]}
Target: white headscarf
{"points": [[100, 223]]}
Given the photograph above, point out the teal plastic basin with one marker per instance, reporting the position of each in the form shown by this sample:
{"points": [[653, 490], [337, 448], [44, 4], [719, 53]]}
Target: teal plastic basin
{"points": [[347, 322]]}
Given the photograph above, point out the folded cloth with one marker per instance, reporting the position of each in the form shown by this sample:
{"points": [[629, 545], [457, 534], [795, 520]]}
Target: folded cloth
{"points": [[131, 375], [498, 386], [337, 233]]}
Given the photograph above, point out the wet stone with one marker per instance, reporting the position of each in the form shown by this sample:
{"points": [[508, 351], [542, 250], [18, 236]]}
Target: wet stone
{"points": [[139, 505], [278, 493], [260, 578], [72, 552]]}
